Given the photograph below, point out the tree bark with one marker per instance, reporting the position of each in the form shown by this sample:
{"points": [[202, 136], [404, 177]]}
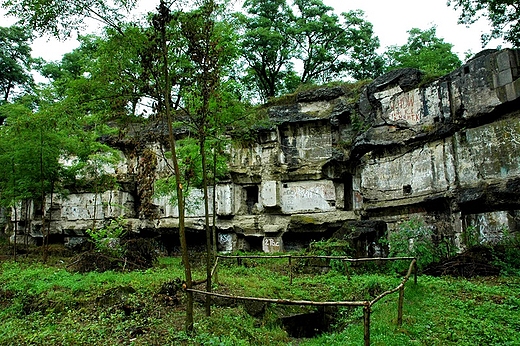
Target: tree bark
{"points": [[209, 252], [163, 12]]}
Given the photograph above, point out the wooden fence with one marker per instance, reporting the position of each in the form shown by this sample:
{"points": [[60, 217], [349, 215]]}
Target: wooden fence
{"points": [[366, 304]]}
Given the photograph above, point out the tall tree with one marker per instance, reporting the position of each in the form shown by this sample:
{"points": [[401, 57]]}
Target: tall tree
{"points": [[109, 67], [504, 16], [15, 60], [63, 17], [330, 48], [424, 51], [118, 66], [34, 141], [71, 105], [275, 40], [161, 23], [211, 51], [364, 62], [268, 44]]}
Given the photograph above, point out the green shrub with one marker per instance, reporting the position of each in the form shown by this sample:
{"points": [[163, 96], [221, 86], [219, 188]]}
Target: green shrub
{"points": [[107, 239], [415, 239], [332, 247], [470, 236], [507, 253]]}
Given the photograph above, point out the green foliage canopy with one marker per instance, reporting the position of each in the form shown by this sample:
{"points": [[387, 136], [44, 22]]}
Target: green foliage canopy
{"points": [[268, 44], [15, 60], [62, 17], [424, 51], [275, 39], [330, 48], [504, 16]]}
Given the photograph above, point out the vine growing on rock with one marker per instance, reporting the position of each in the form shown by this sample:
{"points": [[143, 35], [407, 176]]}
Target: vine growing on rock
{"points": [[145, 184]]}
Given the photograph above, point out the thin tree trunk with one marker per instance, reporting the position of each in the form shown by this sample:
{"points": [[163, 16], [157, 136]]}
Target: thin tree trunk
{"points": [[209, 251], [26, 229], [15, 214], [94, 212], [214, 223], [50, 214], [15, 232], [180, 196], [42, 187]]}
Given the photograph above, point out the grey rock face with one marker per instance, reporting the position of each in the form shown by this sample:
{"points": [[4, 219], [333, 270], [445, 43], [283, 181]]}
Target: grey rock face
{"points": [[447, 151]]}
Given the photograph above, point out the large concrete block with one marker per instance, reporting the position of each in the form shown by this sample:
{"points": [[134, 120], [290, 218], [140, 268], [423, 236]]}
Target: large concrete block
{"points": [[385, 97], [428, 169], [225, 199], [475, 93], [246, 156], [318, 108], [513, 90], [83, 206], [422, 105], [406, 106], [272, 244], [307, 142], [490, 151], [308, 196], [118, 203], [270, 193], [194, 204]]}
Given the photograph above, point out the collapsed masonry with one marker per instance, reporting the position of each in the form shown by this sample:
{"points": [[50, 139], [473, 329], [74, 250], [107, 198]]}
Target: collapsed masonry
{"points": [[338, 162]]}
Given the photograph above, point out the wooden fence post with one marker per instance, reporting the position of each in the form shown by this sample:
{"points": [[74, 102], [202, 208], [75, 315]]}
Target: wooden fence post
{"points": [[415, 273], [400, 307], [214, 272], [290, 269], [346, 266], [366, 324]]}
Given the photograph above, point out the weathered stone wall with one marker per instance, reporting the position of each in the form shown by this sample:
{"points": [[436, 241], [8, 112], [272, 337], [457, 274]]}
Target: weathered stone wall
{"points": [[337, 159], [450, 147]]}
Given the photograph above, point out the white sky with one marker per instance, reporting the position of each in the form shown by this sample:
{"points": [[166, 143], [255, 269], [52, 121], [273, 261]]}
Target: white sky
{"points": [[391, 20]]}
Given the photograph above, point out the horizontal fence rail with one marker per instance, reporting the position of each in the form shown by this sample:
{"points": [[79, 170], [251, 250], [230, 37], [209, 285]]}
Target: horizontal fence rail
{"points": [[283, 301], [344, 258], [366, 304]]}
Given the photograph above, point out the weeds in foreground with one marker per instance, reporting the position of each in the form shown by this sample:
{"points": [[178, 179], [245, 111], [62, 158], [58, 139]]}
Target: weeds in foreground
{"points": [[47, 305]]}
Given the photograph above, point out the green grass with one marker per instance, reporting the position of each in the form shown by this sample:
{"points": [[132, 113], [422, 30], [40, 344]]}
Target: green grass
{"points": [[47, 305]]}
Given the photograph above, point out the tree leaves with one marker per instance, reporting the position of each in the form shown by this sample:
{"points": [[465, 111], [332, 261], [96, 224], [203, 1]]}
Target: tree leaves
{"points": [[424, 51], [504, 16], [60, 18], [275, 39], [15, 60]]}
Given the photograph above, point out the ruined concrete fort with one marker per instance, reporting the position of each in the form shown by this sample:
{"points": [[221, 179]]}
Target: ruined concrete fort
{"points": [[337, 160]]}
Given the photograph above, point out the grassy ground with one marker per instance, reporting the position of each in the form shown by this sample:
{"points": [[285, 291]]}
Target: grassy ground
{"points": [[48, 305]]}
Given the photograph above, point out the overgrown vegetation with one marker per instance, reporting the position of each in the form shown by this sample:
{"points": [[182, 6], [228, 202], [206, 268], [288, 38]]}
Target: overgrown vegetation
{"points": [[115, 251], [107, 239], [48, 305], [437, 256], [424, 51], [416, 239], [506, 253]]}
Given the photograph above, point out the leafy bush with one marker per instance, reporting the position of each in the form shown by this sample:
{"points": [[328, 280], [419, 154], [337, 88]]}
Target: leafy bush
{"points": [[507, 253], [332, 247], [415, 239], [107, 239], [470, 236]]}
